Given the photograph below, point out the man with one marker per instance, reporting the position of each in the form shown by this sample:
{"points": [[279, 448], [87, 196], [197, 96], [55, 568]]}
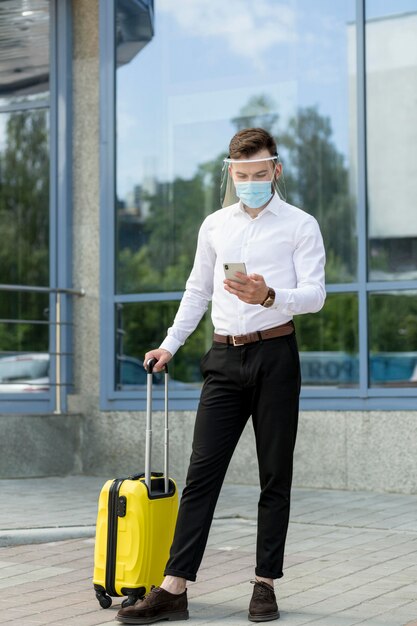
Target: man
{"points": [[252, 368]]}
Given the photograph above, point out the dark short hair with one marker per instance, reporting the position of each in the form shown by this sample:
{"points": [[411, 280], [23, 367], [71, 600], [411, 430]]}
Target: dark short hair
{"points": [[249, 141]]}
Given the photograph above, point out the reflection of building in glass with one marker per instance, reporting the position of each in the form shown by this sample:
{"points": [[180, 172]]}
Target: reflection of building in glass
{"points": [[391, 98], [24, 56], [130, 220], [134, 28], [133, 211]]}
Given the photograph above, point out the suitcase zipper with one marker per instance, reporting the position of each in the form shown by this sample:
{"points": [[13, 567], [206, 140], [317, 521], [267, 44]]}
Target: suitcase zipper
{"points": [[112, 536]]}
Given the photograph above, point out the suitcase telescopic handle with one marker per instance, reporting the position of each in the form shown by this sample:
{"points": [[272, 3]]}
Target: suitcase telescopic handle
{"points": [[148, 440], [151, 364]]}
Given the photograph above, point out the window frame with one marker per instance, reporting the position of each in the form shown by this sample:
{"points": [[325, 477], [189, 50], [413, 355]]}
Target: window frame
{"points": [[59, 106], [359, 398]]}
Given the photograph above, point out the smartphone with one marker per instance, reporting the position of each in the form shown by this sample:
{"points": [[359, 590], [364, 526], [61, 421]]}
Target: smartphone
{"points": [[230, 270]]}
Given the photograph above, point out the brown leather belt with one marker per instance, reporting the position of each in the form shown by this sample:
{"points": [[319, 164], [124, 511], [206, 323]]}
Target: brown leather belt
{"points": [[258, 335]]}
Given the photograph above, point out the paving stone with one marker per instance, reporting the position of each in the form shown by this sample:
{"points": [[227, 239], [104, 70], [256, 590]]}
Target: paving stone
{"points": [[348, 561]]}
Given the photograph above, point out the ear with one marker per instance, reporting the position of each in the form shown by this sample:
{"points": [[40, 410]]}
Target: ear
{"points": [[278, 170]]}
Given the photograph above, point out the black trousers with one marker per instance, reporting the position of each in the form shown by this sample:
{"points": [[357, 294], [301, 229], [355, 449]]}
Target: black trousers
{"points": [[261, 379]]}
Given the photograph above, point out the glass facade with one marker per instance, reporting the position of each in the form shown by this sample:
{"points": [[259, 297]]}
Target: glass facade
{"points": [[321, 79], [336, 85], [329, 343], [180, 96], [391, 88], [193, 84], [24, 196], [393, 339], [141, 324], [391, 139], [24, 46]]}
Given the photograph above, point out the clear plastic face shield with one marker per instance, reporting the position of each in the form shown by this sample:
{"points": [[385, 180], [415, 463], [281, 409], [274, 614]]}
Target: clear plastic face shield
{"points": [[252, 180]]}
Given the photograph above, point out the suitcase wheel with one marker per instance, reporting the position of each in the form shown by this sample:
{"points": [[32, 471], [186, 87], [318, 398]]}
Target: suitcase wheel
{"points": [[131, 600], [103, 599]]}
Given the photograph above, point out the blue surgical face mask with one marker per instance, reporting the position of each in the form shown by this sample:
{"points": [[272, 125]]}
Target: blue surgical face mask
{"points": [[254, 194]]}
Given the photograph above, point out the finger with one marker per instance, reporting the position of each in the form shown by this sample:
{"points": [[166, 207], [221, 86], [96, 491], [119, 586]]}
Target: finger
{"points": [[148, 359], [148, 356], [164, 358], [234, 284], [233, 291], [242, 277], [160, 364], [256, 277]]}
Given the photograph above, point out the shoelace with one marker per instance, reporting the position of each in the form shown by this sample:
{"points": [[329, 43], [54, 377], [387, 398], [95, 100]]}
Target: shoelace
{"points": [[149, 592]]}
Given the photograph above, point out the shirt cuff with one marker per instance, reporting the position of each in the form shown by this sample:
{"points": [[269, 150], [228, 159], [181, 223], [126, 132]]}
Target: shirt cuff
{"points": [[170, 344], [283, 298]]}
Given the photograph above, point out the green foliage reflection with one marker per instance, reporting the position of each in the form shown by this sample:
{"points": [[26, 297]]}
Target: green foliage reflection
{"points": [[24, 224]]}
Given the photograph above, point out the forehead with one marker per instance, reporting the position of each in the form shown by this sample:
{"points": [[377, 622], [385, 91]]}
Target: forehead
{"points": [[256, 166]]}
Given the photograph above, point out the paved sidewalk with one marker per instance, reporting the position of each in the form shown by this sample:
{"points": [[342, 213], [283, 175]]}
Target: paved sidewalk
{"points": [[351, 558]]}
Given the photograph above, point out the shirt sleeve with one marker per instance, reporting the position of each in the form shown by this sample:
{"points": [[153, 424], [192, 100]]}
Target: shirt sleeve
{"points": [[198, 293], [309, 260]]}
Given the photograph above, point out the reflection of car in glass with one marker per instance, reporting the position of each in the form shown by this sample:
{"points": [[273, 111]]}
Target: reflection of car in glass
{"points": [[132, 374], [24, 373], [393, 367]]}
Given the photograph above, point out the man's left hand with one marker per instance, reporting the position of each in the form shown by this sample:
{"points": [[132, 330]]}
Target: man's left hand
{"points": [[252, 290]]}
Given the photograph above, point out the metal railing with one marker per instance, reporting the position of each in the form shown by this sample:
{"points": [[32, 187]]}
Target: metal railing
{"points": [[58, 323]]}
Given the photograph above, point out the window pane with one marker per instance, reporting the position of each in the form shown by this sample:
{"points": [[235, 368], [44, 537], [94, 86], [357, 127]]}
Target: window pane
{"points": [[24, 198], [328, 343], [24, 342], [141, 327], [188, 82], [393, 339], [24, 50], [391, 65]]}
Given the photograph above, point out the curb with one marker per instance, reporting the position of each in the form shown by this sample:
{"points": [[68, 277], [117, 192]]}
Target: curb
{"points": [[25, 536]]}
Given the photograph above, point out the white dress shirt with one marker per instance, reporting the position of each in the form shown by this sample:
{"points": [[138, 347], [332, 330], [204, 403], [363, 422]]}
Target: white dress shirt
{"points": [[283, 244]]}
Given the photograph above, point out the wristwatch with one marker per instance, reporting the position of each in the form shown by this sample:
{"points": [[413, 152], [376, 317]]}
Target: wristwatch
{"points": [[270, 298]]}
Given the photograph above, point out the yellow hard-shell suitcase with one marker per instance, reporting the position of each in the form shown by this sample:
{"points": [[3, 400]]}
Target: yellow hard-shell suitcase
{"points": [[135, 525]]}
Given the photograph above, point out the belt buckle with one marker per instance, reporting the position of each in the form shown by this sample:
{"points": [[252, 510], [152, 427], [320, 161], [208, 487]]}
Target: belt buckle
{"points": [[234, 341]]}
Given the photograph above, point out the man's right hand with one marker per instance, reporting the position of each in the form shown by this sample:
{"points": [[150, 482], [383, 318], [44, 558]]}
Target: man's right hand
{"points": [[162, 356]]}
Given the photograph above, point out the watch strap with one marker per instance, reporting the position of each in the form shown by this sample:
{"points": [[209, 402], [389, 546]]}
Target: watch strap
{"points": [[270, 296]]}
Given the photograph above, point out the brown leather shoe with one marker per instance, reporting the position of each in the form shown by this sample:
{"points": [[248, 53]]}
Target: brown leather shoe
{"points": [[156, 606], [263, 606]]}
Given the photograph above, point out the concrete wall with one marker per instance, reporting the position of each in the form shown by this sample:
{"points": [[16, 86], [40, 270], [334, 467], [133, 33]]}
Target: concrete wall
{"points": [[371, 451]]}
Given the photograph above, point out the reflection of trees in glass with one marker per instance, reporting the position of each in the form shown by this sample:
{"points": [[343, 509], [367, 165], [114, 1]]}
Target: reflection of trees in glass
{"points": [[259, 111], [316, 180], [393, 322], [334, 328], [24, 224]]}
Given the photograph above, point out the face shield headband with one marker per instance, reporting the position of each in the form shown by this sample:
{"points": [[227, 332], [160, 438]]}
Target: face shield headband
{"points": [[253, 183]]}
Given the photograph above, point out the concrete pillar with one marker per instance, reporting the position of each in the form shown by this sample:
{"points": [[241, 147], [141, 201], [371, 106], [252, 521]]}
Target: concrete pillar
{"points": [[86, 235]]}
